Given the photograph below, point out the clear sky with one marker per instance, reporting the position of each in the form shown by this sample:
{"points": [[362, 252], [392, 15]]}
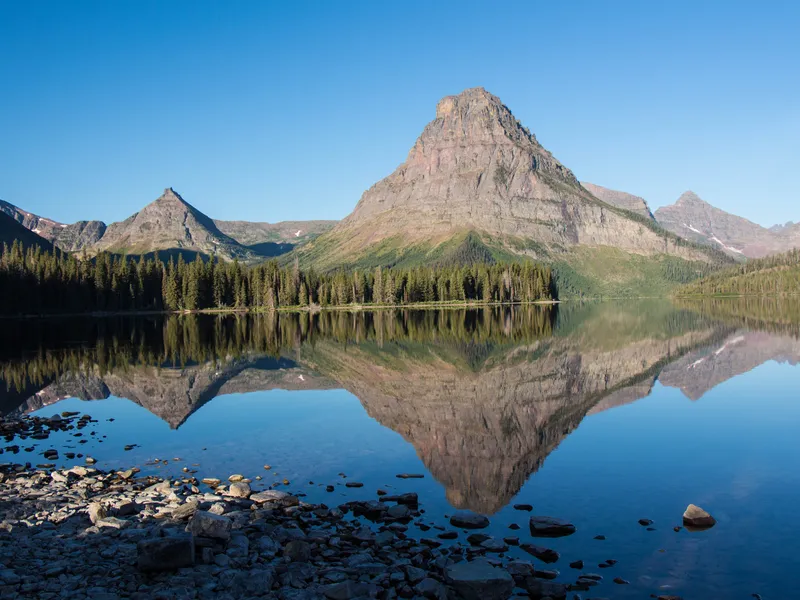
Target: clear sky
{"points": [[290, 110]]}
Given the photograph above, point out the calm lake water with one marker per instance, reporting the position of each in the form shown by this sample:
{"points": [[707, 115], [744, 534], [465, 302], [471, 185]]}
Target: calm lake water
{"points": [[602, 414]]}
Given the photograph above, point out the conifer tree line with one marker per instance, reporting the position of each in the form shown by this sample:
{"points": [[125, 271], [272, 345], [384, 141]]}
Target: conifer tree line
{"points": [[37, 281], [769, 276]]}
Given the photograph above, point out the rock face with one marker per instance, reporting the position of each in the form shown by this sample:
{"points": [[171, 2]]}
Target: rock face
{"points": [[476, 168], [170, 224], [619, 199], [696, 220], [11, 230], [480, 580], [69, 238]]}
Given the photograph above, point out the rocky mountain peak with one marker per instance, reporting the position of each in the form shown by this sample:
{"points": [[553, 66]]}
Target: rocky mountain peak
{"points": [[473, 116], [689, 198]]}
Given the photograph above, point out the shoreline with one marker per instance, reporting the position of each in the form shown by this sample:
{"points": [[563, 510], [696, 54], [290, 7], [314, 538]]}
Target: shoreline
{"points": [[287, 309], [108, 534]]}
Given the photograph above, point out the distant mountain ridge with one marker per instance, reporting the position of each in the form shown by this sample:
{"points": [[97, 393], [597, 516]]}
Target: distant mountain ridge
{"points": [[11, 230], [694, 219], [620, 199], [70, 238]]}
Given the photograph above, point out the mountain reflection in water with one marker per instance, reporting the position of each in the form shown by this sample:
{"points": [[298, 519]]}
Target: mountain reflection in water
{"points": [[484, 396]]}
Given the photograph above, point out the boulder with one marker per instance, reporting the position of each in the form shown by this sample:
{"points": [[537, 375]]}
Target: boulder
{"points": [[96, 512], [550, 527], [165, 553], [469, 520], [480, 580], [205, 524], [543, 554], [698, 518], [238, 489]]}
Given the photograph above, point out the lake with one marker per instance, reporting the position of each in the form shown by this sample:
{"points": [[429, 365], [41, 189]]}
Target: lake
{"points": [[599, 413]]}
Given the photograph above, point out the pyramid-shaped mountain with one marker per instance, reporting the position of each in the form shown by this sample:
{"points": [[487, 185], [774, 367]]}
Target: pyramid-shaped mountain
{"points": [[171, 225], [477, 176]]}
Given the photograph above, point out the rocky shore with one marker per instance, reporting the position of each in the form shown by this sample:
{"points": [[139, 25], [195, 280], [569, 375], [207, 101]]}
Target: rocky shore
{"points": [[81, 532]]}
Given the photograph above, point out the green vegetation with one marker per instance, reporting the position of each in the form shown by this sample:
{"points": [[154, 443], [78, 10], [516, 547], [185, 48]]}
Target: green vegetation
{"points": [[36, 281], [777, 275], [606, 272]]}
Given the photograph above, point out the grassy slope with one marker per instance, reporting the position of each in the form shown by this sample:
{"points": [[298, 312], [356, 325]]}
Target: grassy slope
{"points": [[589, 271]]}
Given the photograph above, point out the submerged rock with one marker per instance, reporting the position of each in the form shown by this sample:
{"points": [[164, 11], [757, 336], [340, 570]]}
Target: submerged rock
{"points": [[480, 580], [550, 527], [468, 520]]}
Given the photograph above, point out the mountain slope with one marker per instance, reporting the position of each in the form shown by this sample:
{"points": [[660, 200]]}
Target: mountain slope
{"points": [[11, 230], [170, 224], [475, 168], [70, 238], [697, 220], [619, 199]]}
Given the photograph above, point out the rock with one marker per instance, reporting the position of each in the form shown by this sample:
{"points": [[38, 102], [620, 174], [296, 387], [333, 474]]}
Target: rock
{"points": [[297, 550], [578, 564], [205, 524], [235, 478], [621, 581], [347, 590], [468, 520], [525, 507], [550, 527], [165, 553], [539, 589], [113, 523], [476, 539], [645, 522], [354, 484], [96, 512], [399, 511], [546, 555], [430, 588], [238, 489], [410, 476], [184, 511], [493, 545], [211, 481], [698, 518], [479, 580]]}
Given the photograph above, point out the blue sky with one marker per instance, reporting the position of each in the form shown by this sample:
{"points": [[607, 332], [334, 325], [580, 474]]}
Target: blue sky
{"points": [[290, 110]]}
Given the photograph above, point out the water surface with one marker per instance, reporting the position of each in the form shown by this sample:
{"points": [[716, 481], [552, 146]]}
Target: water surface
{"points": [[601, 413]]}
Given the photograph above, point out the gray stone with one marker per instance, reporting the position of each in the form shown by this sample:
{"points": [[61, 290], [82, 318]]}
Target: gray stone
{"points": [[469, 520], [96, 512], [205, 524], [238, 489], [550, 527], [480, 580], [297, 550], [165, 553], [696, 517]]}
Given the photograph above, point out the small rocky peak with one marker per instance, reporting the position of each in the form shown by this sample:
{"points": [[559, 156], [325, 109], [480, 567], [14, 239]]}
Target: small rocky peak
{"points": [[689, 198]]}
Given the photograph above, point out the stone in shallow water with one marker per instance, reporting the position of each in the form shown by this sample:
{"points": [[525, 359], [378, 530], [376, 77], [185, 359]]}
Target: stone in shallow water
{"points": [[550, 527], [165, 553], [238, 489], [480, 580], [697, 517], [468, 520], [544, 554]]}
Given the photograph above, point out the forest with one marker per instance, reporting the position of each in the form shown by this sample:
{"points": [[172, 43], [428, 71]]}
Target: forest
{"points": [[775, 275], [35, 281]]}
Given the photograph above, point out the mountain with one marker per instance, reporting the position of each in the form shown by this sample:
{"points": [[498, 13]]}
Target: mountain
{"points": [[70, 238], [619, 199], [273, 239], [171, 225], [11, 230], [698, 221], [477, 177]]}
